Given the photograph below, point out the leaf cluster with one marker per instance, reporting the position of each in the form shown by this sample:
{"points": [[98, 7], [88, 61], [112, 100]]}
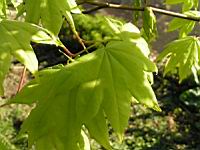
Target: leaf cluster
{"points": [[104, 81]]}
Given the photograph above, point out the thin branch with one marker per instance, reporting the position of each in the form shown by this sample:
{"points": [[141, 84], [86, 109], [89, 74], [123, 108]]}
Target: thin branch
{"points": [[80, 40], [70, 55], [21, 79], [110, 5], [71, 59], [86, 49], [101, 5], [67, 52], [93, 9]]}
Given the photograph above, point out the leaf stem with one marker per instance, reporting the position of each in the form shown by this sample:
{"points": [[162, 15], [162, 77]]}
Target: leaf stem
{"points": [[71, 59], [86, 49], [70, 55], [66, 51]]}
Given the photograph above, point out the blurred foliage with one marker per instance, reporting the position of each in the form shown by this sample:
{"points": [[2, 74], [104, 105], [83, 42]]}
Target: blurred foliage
{"points": [[11, 118], [89, 27]]}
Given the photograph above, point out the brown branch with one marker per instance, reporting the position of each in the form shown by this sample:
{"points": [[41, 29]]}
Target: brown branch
{"points": [[21, 82], [72, 55], [101, 5], [66, 51], [110, 5], [92, 9]]}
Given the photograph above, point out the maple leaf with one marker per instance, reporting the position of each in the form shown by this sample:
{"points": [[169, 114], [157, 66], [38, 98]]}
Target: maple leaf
{"points": [[184, 26], [184, 55], [50, 12], [98, 85], [15, 41]]}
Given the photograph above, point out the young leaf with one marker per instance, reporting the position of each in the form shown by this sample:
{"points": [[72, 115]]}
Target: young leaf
{"points": [[50, 12], [184, 55], [184, 26], [15, 41], [123, 31], [102, 82], [149, 24]]}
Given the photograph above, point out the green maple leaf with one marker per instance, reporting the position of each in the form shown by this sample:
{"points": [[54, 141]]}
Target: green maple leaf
{"points": [[184, 26], [184, 54], [50, 12], [15, 41], [98, 85]]}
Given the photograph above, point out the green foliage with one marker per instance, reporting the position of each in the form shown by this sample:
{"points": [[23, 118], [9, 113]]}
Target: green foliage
{"points": [[184, 54], [110, 84], [5, 144], [185, 57], [149, 24], [50, 12], [81, 99], [191, 98], [90, 28], [184, 26], [10, 118], [16, 42]]}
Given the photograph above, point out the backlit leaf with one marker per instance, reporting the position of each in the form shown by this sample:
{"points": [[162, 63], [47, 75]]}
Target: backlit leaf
{"points": [[96, 85], [149, 24], [184, 26], [15, 38], [184, 55], [50, 12]]}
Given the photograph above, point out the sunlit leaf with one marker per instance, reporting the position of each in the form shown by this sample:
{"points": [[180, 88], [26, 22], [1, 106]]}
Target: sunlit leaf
{"points": [[15, 38], [98, 85], [184, 26], [50, 12], [149, 24], [184, 55], [125, 31]]}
